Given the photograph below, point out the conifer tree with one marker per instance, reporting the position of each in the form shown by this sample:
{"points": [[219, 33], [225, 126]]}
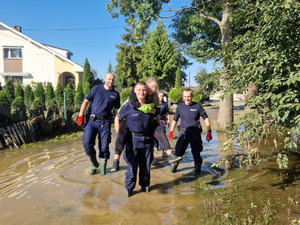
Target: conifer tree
{"points": [[87, 78]]}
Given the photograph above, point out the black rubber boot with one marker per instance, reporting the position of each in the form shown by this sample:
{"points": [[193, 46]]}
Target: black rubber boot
{"points": [[197, 168], [94, 166], [173, 158], [145, 189], [129, 193], [173, 167], [103, 163], [116, 165]]}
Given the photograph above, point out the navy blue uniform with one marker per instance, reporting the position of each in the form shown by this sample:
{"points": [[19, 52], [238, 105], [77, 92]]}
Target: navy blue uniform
{"points": [[138, 154], [103, 102], [190, 130]]}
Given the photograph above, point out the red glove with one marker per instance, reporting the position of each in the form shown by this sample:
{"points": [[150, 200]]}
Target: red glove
{"points": [[166, 122], [208, 136], [79, 120], [170, 135]]}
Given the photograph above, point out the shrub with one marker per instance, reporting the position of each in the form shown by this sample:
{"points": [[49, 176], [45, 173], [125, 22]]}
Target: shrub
{"points": [[18, 109], [49, 93], [9, 90], [28, 96], [197, 96], [39, 92], [69, 96], [125, 94], [59, 95], [175, 96], [5, 108], [79, 96], [52, 109], [37, 108], [19, 90]]}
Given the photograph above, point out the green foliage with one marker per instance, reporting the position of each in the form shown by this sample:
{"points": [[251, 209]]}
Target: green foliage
{"points": [[5, 108], [197, 96], [69, 96], [18, 109], [9, 90], [125, 95], [87, 77], [178, 79], [28, 95], [37, 108], [208, 82], [110, 67], [268, 59], [52, 109], [19, 90], [175, 96], [160, 57], [39, 92], [49, 93], [79, 96], [59, 95]]}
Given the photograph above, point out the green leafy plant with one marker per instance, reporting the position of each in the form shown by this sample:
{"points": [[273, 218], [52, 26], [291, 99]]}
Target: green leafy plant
{"points": [[125, 94], [175, 96]]}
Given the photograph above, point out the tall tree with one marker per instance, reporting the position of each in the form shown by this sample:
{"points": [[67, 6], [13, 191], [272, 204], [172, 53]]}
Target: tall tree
{"points": [[109, 67], [49, 93], [79, 96], [19, 90], [208, 82], [9, 90], [69, 96], [201, 27], [159, 57], [128, 60], [87, 82], [39, 92], [178, 79]]}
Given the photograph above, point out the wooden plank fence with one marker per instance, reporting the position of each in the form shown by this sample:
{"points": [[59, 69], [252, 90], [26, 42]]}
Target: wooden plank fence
{"points": [[17, 134]]}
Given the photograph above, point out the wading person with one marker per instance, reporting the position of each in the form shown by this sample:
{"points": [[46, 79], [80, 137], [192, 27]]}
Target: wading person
{"points": [[152, 101], [163, 115], [189, 113], [138, 152], [103, 100]]}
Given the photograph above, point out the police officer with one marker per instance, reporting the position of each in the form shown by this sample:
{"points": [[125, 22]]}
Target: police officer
{"points": [[139, 152], [164, 116], [190, 129], [103, 100]]}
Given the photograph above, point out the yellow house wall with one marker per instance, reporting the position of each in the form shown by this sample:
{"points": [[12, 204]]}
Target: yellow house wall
{"points": [[62, 66]]}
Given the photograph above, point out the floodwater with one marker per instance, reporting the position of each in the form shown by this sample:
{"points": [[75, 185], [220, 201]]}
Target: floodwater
{"points": [[51, 185]]}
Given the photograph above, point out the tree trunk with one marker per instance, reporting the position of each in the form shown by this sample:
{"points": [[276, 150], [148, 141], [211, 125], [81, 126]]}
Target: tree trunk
{"points": [[225, 116], [251, 91]]}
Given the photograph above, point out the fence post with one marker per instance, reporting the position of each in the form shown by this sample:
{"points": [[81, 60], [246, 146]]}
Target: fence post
{"points": [[65, 106]]}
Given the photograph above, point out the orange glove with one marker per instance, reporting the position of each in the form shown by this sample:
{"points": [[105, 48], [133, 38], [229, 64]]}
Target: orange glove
{"points": [[170, 135], [79, 120]]}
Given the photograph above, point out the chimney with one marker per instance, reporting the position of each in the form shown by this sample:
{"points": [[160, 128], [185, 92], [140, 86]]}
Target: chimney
{"points": [[18, 28]]}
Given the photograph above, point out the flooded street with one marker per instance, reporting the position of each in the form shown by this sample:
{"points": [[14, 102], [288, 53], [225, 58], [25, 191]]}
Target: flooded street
{"points": [[51, 185]]}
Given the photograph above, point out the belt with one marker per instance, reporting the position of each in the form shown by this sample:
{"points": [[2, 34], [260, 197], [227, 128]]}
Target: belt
{"points": [[93, 117], [141, 134]]}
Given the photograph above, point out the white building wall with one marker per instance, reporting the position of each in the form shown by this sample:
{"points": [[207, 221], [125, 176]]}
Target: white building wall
{"points": [[35, 60], [59, 51]]}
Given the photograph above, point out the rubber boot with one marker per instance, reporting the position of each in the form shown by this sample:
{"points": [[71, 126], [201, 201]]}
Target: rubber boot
{"points": [[94, 166], [173, 167], [103, 163], [145, 189], [197, 168], [129, 193], [116, 165], [172, 158]]}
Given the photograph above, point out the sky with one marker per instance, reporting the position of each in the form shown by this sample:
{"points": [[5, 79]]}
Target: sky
{"points": [[38, 17]]}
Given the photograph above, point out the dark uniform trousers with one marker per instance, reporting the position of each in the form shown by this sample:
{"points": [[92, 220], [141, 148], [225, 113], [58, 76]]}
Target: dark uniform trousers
{"points": [[101, 127], [192, 136], [138, 155]]}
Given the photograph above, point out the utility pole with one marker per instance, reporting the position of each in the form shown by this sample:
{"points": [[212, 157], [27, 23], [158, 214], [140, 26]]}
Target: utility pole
{"points": [[189, 79]]}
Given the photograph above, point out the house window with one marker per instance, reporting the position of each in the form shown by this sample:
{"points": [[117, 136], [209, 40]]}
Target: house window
{"points": [[14, 79], [12, 53]]}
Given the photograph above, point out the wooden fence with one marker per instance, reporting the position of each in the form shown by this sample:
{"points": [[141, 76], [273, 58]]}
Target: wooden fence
{"points": [[17, 134]]}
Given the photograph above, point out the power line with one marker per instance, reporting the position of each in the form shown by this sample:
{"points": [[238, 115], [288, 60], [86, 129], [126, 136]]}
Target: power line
{"points": [[72, 29]]}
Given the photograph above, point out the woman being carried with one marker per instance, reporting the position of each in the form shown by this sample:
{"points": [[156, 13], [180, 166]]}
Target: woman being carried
{"points": [[152, 105]]}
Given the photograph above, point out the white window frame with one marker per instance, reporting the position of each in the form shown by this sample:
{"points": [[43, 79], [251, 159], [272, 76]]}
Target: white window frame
{"points": [[10, 51]]}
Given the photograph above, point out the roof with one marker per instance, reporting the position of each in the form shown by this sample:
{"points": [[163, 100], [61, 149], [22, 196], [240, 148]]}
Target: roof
{"points": [[58, 48], [77, 67]]}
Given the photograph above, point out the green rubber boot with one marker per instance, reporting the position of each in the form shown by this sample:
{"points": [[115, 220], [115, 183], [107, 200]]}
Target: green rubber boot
{"points": [[129, 193], [145, 189], [103, 163], [94, 166], [197, 168], [173, 167]]}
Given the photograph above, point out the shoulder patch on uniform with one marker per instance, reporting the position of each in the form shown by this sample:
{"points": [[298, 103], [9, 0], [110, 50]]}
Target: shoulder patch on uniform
{"points": [[193, 110]]}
